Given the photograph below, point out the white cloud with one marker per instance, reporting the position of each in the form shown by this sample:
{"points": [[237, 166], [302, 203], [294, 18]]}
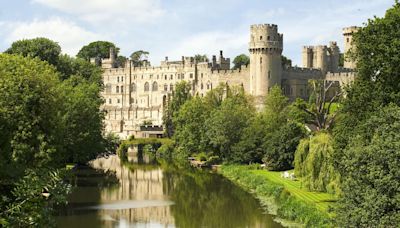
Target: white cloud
{"points": [[70, 36], [110, 12]]}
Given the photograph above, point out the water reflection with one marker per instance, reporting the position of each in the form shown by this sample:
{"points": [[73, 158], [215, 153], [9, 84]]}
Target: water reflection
{"points": [[133, 194]]}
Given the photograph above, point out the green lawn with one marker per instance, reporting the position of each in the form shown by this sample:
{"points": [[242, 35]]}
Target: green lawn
{"points": [[320, 200]]}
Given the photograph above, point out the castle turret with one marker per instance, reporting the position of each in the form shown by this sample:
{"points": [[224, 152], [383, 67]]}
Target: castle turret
{"points": [[321, 58], [307, 55], [265, 47], [348, 45], [334, 54]]}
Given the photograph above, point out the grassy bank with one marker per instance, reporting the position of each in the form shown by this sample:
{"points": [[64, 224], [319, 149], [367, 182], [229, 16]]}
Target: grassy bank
{"points": [[283, 197]]}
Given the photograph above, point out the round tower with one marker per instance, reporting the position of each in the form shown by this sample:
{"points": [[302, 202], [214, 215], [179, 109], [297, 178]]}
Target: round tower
{"points": [[265, 49], [348, 45]]}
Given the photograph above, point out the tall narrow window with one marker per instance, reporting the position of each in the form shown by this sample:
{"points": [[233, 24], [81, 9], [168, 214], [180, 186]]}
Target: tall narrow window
{"points": [[117, 90], [171, 87], [122, 89], [154, 86], [269, 74], [165, 87], [146, 87], [117, 79], [133, 87], [260, 60]]}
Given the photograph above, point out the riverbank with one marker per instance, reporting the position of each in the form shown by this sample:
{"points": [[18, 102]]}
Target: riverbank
{"points": [[283, 197]]}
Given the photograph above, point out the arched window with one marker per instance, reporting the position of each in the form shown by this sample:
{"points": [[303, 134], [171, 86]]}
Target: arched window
{"points": [[108, 88], [208, 85], [165, 87], [122, 89], [166, 77], [155, 86], [117, 90], [171, 87], [260, 59], [201, 86], [171, 77], [146, 87], [117, 79], [133, 87]]}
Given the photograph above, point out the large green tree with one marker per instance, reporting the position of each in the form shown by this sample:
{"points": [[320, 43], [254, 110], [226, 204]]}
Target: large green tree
{"points": [[138, 57], [97, 49], [179, 97], [240, 60], [370, 173], [42, 48]]}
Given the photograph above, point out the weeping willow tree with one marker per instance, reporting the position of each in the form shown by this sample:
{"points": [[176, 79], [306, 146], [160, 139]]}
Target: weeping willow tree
{"points": [[313, 164]]}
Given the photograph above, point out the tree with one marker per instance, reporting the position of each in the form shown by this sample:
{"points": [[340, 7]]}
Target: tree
{"points": [[314, 164], [29, 113], [280, 146], [200, 58], [42, 48], [97, 49], [82, 118], [320, 106], [138, 57], [370, 173], [68, 66], [240, 60], [286, 62], [226, 125], [179, 97], [189, 126]]}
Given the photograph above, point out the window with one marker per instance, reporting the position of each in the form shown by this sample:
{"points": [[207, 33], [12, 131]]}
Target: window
{"points": [[117, 79], [122, 89], [142, 76], [154, 86], [166, 77], [268, 38], [269, 74], [347, 39], [201, 86], [146, 87], [108, 88], [165, 87], [260, 37], [260, 60], [117, 90], [183, 76], [171, 77], [191, 76], [171, 87], [109, 101], [122, 79], [133, 87], [118, 101], [201, 75]]}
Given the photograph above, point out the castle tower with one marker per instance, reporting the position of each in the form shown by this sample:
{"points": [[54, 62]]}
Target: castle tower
{"points": [[321, 58], [334, 54], [265, 49], [307, 56], [348, 45]]}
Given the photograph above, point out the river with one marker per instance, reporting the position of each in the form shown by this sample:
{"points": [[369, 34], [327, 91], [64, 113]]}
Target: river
{"points": [[145, 193]]}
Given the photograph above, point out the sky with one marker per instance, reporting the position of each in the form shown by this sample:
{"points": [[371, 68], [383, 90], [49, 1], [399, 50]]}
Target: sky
{"points": [[176, 28]]}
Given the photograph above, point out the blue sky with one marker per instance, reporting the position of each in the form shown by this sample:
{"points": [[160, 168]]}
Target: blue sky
{"points": [[176, 28]]}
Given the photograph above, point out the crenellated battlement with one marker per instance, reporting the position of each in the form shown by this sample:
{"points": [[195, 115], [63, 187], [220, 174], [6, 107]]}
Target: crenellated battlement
{"points": [[350, 30]]}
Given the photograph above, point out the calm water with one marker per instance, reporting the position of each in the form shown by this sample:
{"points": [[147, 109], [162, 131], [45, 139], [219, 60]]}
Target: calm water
{"points": [[133, 194]]}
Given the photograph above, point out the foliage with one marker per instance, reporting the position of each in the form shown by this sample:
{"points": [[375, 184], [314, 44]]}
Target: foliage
{"points": [[97, 49], [280, 146], [314, 164], [370, 173], [227, 123], [190, 130], [42, 48], [319, 108], [200, 58], [138, 57], [81, 105], [240, 60], [289, 206], [179, 97], [68, 66], [33, 198], [30, 130], [286, 62]]}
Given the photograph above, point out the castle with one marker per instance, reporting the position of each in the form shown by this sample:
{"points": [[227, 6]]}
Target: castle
{"points": [[136, 96]]}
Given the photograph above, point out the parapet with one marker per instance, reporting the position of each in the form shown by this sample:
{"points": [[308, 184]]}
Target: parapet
{"points": [[350, 30]]}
